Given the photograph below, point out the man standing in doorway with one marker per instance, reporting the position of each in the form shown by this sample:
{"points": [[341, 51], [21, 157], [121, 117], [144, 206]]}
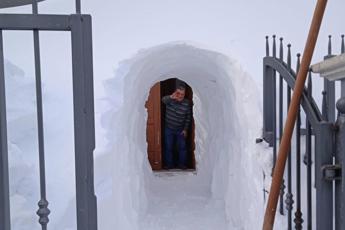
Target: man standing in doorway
{"points": [[177, 121]]}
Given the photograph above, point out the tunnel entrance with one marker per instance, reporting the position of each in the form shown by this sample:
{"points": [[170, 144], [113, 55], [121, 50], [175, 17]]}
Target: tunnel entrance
{"points": [[226, 113], [155, 131]]}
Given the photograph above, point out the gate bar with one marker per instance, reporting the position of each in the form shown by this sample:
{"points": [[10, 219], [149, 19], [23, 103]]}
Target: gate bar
{"points": [[5, 222], [83, 100], [31, 22], [292, 114], [78, 6], [43, 210]]}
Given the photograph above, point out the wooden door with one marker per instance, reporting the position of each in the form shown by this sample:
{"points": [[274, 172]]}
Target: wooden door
{"points": [[153, 128]]}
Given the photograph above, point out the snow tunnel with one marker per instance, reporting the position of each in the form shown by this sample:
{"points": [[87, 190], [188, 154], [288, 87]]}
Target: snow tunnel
{"points": [[228, 119]]}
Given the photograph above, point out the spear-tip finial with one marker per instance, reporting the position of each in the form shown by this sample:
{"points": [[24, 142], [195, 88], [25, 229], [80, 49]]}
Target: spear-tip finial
{"points": [[329, 45], [274, 46], [267, 47], [281, 50]]}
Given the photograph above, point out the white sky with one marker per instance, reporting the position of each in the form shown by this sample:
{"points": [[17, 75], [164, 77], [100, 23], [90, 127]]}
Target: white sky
{"points": [[122, 27]]}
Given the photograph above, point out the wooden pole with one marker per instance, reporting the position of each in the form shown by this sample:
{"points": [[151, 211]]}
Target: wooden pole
{"points": [[292, 114]]}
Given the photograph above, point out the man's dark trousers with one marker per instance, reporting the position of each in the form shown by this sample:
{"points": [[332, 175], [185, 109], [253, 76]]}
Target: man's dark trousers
{"points": [[170, 135]]}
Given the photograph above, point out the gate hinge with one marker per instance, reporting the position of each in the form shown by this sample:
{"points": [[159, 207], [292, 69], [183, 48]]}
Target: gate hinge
{"points": [[331, 172]]}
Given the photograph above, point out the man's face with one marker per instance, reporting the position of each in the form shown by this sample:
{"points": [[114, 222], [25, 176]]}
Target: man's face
{"points": [[180, 93]]}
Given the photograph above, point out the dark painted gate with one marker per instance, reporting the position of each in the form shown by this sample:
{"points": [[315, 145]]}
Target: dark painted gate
{"points": [[323, 156], [79, 26]]}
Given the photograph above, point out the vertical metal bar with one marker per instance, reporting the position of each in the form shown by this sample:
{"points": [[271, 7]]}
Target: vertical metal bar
{"points": [[274, 52], [34, 7], [5, 222], [340, 160], [90, 120], [268, 95], [43, 210], [78, 6], [324, 188], [274, 112], [289, 197], [267, 47], [307, 160], [342, 82], [274, 46], [268, 103], [329, 45], [342, 86], [298, 213], [329, 90], [281, 54], [324, 104], [83, 121]]}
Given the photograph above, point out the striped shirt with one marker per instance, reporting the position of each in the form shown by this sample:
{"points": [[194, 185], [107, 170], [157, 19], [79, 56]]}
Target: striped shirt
{"points": [[177, 114]]}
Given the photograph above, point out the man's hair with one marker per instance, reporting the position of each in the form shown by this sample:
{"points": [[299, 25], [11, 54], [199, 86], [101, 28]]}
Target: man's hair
{"points": [[180, 85]]}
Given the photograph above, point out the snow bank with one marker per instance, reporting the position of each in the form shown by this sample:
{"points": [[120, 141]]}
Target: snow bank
{"points": [[227, 117], [23, 152]]}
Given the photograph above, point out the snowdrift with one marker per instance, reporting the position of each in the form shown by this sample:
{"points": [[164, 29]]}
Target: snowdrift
{"points": [[228, 119]]}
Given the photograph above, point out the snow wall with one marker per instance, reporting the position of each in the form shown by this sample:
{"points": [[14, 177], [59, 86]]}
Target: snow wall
{"points": [[23, 152], [227, 119]]}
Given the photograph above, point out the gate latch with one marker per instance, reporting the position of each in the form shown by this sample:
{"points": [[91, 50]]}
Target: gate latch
{"points": [[331, 172]]}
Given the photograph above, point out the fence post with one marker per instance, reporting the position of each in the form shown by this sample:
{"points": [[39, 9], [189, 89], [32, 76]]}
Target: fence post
{"points": [[340, 160], [324, 187], [4, 181], [83, 100], [329, 89]]}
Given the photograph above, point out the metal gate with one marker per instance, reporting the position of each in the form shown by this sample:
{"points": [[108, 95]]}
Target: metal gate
{"points": [[79, 26], [323, 155]]}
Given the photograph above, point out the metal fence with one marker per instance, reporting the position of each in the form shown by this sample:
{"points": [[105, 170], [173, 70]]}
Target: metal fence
{"points": [[324, 143], [79, 26]]}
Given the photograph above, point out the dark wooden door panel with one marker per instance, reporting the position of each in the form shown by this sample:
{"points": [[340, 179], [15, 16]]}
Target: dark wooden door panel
{"points": [[153, 131]]}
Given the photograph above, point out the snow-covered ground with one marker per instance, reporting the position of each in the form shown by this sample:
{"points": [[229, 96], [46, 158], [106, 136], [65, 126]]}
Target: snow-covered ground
{"points": [[175, 202], [225, 192]]}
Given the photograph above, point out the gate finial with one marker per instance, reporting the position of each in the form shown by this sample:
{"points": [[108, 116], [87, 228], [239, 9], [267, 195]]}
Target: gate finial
{"points": [[329, 45], [274, 46], [281, 50], [298, 62], [267, 47]]}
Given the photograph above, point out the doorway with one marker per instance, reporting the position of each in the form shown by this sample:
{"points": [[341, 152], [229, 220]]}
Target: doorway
{"points": [[155, 125]]}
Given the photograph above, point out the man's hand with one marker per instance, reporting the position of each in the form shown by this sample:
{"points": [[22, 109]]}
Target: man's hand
{"points": [[184, 133], [173, 96]]}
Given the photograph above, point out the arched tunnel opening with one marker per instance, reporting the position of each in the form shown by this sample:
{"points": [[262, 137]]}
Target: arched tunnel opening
{"points": [[228, 117], [156, 127]]}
